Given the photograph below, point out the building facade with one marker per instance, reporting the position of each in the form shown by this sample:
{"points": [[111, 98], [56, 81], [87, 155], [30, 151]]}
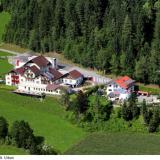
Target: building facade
{"points": [[121, 88], [39, 75], [73, 78]]}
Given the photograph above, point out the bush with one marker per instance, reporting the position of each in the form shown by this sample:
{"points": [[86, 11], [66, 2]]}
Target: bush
{"points": [[152, 126], [154, 123], [3, 128]]}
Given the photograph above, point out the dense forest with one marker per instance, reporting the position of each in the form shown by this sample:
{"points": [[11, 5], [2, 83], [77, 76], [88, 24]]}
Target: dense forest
{"points": [[121, 37]]}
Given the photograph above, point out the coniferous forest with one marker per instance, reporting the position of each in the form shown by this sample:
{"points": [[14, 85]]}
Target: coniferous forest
{"points": [[121, 37]]}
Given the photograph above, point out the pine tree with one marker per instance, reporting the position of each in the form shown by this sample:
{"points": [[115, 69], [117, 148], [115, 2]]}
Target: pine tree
{"points": [[155, 54]]}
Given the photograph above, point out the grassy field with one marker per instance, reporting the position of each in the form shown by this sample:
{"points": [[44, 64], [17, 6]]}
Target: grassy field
{"points": [[47, 118], [117, 144], [149, 88], [4, 19], [10, 150], [4, 65], [5, 54]]}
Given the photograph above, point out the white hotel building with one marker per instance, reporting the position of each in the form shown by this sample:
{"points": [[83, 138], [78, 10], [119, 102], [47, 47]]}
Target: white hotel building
{"points": [[40, 75]]}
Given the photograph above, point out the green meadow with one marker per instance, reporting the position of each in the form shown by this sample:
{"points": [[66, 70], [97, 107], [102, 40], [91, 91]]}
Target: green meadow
{"points": [[10, 150], [47, 118], [5, 67], [117, 144]]}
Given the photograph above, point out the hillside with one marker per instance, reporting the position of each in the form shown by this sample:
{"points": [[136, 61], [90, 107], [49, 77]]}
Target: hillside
{"points": [[121, 37], [47, 119], [117, 144], [10, 150]]}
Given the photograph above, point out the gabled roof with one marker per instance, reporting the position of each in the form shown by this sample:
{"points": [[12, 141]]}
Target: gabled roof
{"points": [[19, 70], [41, 61], [74, 74], [124, 82], [53, 87], [56, 74], [35, 70]]}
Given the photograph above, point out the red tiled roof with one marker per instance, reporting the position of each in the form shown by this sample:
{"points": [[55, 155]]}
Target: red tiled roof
{"points": [[19, 70], [56, 74], [74, 74], [35, 70], [52, 87], [124, 82], [41, 61]]}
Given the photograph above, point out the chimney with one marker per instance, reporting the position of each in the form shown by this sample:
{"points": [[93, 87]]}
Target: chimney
{"points": [[54, 63], [17, 63]]}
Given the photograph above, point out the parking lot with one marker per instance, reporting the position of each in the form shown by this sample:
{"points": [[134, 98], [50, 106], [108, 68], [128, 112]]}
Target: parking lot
{"points": [[149, 99]]}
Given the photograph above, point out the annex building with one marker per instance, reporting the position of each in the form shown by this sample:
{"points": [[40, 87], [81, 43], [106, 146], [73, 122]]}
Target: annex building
{"points": [[121, 88]]}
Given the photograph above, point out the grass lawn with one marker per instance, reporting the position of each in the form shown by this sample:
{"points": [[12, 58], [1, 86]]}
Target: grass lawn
{"points": [[47, 118], [5, 54], [150, 89], [10, 150], [4, 19], [5, 67], [117, 144]]}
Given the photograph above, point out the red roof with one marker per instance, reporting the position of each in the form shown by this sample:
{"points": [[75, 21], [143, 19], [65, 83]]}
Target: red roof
{"points": [[41, 61], [125, 82], [35, 70], [56, 74], [53, 87], [19, 70], [74, 74]]}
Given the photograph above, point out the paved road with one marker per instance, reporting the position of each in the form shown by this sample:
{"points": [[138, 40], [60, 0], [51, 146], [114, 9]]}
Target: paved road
{"points": [[8, 51], [87, 73]]}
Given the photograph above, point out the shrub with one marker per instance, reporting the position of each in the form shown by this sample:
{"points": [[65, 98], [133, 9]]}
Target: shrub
{"points": [[3, 128]]}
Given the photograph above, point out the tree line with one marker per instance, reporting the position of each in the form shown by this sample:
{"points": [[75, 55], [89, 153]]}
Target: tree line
{"points": [[93, 112], [88, 110], [119, 37], [21, 135], [150, 114]]}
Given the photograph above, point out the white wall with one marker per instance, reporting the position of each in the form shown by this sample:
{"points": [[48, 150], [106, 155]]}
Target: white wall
{"points": [[73, 82], [37, 89], [111, 87], [8, 80], [124, 96]]}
